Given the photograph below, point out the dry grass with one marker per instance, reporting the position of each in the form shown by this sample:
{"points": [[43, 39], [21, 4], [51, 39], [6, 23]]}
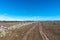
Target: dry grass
{"points": [[51, 29], [17, 34]]}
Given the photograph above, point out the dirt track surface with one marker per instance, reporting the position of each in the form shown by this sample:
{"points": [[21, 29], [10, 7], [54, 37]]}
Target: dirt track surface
{"points": [[33, 31], [26, 32]]}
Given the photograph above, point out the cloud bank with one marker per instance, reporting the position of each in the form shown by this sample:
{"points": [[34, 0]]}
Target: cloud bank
{"points": [[22, 18]]}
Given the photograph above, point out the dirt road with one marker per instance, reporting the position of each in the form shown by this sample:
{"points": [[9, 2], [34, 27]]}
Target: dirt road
{"points": [[44, 36], [31, 32]]}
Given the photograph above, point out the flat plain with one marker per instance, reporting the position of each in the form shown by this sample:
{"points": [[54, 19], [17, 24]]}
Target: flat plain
{"points": [[29, 30]]}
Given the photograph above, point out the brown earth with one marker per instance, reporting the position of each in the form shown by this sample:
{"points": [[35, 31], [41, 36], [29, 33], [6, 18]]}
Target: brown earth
{"points": [[49, 30]]}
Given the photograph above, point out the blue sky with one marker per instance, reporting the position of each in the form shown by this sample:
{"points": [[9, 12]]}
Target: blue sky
{"points": [[29, 9]]}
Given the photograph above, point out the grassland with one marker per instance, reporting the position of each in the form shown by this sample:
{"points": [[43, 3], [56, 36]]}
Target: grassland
{"points": [[32, 31]]}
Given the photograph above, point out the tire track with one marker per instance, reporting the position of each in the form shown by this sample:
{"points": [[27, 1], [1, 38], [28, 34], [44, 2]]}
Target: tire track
{"points": [[42, 33], [26, 35], [35, 34], [18, 27]]}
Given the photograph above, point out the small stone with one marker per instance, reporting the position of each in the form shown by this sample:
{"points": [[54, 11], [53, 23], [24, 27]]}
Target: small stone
{"points": [[16, 35], [1, 35], [7, 32]]}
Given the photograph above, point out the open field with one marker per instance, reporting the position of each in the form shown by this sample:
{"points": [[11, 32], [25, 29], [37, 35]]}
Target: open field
{"points": [[42, 30], [52, 29]]}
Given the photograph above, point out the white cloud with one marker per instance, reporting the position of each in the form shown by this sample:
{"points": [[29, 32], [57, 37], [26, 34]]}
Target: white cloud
{"points": [[21, 18]]}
